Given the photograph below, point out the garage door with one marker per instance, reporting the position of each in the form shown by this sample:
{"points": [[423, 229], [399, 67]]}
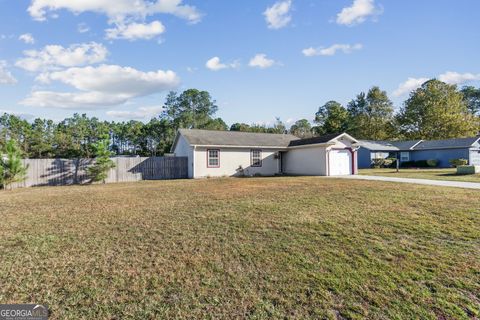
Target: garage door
{"points": [[340, 162]]}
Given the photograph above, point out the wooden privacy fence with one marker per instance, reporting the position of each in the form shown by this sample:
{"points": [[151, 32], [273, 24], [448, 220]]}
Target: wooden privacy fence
{"points": [[61, 172]]}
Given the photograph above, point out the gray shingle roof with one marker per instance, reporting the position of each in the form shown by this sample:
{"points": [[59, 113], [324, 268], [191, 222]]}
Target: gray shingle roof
{"points": [[378, 145], [417, 144], [448, 143], [405, 145], [314, 140], [236, 138]]}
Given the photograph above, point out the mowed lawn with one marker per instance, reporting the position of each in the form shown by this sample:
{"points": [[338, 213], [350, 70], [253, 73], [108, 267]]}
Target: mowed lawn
{"points": [[243, 248], [448, 174]]}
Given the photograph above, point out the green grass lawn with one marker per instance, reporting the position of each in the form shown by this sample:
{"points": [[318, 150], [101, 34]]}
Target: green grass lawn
{"points": [[434, 174], [290, 247]]}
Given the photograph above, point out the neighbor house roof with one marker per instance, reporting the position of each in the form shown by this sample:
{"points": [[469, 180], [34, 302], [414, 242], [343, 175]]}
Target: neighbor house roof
{"points": [[378, 145], [418, 144], [235, 138], [406, 145], [448, 143]]}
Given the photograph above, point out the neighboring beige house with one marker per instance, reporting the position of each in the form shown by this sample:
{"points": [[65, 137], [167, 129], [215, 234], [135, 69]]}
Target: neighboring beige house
{"points": [[233, 153]]}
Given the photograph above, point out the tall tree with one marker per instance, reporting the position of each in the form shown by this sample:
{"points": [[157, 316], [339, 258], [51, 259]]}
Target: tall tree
{"points": [[472, 98], [371, 115], [332, 117], [191, 109], [278, 126], [240, 127], [13, 169], [436, 110], [301, 128], [41, 139]]}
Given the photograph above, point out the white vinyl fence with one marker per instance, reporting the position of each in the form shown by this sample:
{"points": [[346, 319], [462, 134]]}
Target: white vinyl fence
{"points": [[61, 172]]}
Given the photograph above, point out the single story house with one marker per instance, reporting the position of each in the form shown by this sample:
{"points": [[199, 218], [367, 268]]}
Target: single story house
{"points": [[233, 153], [441, 150]]}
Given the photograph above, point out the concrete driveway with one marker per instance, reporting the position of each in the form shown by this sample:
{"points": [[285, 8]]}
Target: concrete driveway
{"points": [[442, 183]]}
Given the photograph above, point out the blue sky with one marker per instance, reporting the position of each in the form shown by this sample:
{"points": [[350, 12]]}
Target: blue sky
{"points": [[117, 59]]}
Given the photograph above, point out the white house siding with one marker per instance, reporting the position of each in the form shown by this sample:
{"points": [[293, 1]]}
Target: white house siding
{"points": [[306, 161], [231, 159], [183, 149]]}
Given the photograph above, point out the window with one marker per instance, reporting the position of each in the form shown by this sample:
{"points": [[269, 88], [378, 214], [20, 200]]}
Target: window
{"points": [[256, 158], [213, 158], [404, 156], [378, 155]]}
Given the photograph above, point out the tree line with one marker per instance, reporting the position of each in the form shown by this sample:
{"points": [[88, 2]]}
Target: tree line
{"points": [[436, 110]]}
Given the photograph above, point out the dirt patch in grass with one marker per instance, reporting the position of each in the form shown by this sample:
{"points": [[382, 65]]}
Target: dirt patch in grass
{"points": [[243, 248]]}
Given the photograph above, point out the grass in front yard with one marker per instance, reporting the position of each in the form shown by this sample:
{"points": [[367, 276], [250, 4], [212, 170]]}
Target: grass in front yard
{"points": [[290, 247], [434, 174]]}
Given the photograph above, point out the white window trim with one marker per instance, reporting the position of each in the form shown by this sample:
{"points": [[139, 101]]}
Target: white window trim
{"points": [[260, 160], [404, 156], [210, 158]]}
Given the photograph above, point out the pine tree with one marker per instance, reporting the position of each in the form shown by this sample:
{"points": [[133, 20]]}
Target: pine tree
{"points": [[12, 169], [103, 163]]}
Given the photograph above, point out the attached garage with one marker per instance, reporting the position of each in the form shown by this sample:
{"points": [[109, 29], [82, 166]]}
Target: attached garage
{"points": [[330, 155]]}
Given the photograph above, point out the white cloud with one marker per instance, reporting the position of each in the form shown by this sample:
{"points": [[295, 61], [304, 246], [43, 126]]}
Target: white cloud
{"points": [[27, 38], [215, 64], [332, 50], [6, 76], [134, 31], [449, 77], [358, 12], [458, 78], [278, 15], [116, 79], [72, 100], [141, 113], [115, 10], [56, 56], [83, 27], [261, 61], [101, 86], [409, 85]]}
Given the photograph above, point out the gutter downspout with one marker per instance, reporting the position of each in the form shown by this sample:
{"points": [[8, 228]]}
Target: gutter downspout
{"points": [[193, 161]]}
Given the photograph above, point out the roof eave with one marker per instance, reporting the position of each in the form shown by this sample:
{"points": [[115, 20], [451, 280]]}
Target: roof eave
{"points": [[312, 145], [346, 135], [237, 147]]}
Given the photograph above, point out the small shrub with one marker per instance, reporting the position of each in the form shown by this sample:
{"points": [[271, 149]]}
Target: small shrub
{"points": [[377, 163], [408, 164], [432, 163], [458, 162], [421, 164], [382, 163], [103, 163], [12, 169], [240, 171], [391, 163]]}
